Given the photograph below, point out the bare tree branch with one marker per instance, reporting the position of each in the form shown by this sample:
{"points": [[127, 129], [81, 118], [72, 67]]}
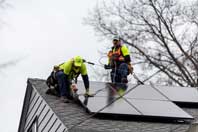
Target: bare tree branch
{"points": [[157, 34]]}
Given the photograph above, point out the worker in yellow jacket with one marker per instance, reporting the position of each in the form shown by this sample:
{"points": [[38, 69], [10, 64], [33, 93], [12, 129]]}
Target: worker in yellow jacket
{"points": [[119, 61], [67, 72]]}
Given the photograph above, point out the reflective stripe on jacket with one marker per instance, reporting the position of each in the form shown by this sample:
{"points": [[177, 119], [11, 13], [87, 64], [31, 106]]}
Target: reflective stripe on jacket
{"points": [[117, 53]]}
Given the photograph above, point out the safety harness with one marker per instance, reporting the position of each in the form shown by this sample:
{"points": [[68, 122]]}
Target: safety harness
{"points": [[115, 56]]}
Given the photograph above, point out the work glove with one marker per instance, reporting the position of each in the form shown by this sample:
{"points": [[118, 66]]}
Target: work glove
{"points": [[107, 66], [74, 88], [130, 68], [121, 58], [87, 94]]}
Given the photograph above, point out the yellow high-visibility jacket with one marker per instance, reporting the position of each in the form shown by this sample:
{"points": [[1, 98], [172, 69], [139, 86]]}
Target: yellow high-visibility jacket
{"points": [[72, 72]]}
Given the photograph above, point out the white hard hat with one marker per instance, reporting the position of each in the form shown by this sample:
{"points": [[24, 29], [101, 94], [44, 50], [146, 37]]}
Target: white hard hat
{"points": [[116, 38]]}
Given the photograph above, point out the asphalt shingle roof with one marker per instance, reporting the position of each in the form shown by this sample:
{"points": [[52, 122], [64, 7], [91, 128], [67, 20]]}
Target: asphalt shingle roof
{"points": [[72, 114]]}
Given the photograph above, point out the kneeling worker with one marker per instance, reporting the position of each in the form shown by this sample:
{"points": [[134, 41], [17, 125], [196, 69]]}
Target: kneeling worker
{"points": [[67, 72]]}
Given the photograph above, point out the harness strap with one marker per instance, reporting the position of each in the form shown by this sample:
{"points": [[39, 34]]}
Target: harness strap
{"points": [[76, 73]]}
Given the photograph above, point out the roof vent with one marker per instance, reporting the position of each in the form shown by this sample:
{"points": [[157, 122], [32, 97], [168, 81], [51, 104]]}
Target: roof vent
{"points": [[193, 127]]}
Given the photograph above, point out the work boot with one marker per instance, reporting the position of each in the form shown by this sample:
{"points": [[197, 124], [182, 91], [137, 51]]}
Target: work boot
{"points": [[64, 99], [52, 91], [48, 91], [124, 80]]}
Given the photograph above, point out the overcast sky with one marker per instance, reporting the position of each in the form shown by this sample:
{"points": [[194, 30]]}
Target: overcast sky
{"points": [[42, 33]]}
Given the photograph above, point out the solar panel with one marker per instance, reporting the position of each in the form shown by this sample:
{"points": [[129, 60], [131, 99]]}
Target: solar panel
{"points": [[98, 88], [149, 108], [159, 108], [144, 92], [180, 94], [141, 101], [120, 106]]}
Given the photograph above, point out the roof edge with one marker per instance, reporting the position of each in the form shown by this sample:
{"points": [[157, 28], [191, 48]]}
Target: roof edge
{"points": [[25, 105]]}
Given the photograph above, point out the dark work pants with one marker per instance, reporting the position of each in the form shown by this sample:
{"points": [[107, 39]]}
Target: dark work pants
{"points": [[64, 84], [119, 72]]}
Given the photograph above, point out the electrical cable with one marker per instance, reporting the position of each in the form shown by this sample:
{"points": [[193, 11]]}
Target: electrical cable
{"points": [[99, 60], [140, 82]]}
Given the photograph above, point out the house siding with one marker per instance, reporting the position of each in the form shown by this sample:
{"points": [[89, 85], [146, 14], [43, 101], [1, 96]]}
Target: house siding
{"points": [[46, 119]]}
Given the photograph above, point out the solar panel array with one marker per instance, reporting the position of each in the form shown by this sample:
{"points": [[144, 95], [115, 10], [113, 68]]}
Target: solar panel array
{"points": [[131, 100]]}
